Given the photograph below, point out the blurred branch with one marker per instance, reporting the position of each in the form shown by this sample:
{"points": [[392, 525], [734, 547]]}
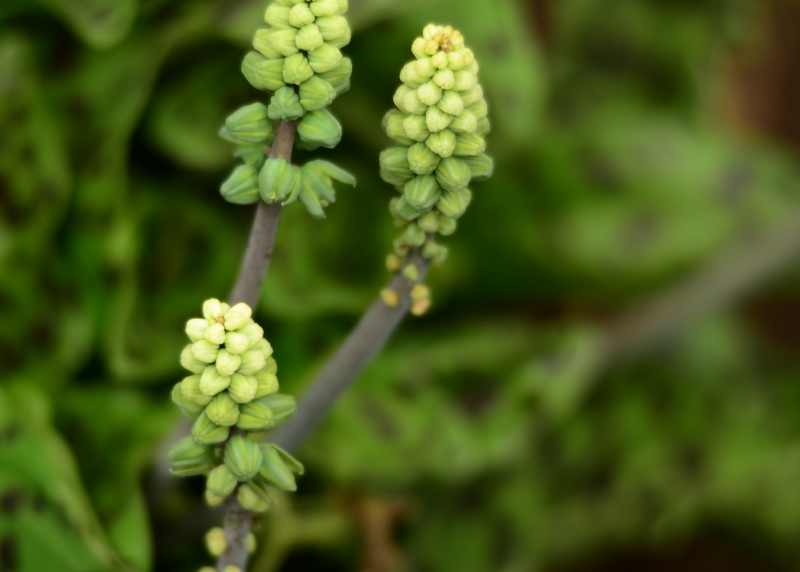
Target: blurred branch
{"points": [[248, 289], [365, 341], [732, 276], [261, 243]]}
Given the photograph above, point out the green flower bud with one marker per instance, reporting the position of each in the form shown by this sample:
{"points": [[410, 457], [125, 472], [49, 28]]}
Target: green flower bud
{"points": [[309, 38], [221, 481], [394, 166], [480, 108], [253, 499], [331, 171], [263, 73], [213, 501], [205, 351], [472, 96], [484, 127], [215, 542], [213, 309], [338, 77], [190, 389], [322, 8], [430, 224], [481, 166], [188, 459], [465, 123], [442, 143], [335, 30], [440, 60], [241, 187], [453, 174], [238, 316], [452, 104], [254, 334], [281, 405], [223, 410], [277, 16], [206, 432], [196, 328], [252, 362], [274, 42], [285, 105], [465, 80], [454, 203], [325, 58], [212, 382], [458, 60], [252, 155], [275, 470], [237, 343], [189, 362], [320, 129], [436, 253], [264, 347], [414, 236], [227, 363], [278, 180], [416, 127], [300, 15], [410, 76], [437, 120], [393, 126], [421, 160], [429, 93], [243, 388], [186, 406], [421, 193], [215, 333], [445, 79], [447, 225], [266, 384], [469, 145], [255, 416], [409, 102], [296, 69], [249, 124], [316, 94], [402, 210], [243, 457]]}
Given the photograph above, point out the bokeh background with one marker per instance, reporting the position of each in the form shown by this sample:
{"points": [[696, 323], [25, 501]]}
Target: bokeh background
{"points": [[607, 381]]}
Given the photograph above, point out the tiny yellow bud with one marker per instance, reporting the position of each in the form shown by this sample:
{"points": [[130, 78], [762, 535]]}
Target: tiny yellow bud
{"points": [[390, 297], [393, 263], [215, 542], [420, 307]]}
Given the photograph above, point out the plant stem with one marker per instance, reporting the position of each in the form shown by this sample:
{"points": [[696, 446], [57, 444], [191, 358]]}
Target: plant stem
{"points": [[365, 341], [261, 242], [252, 272]]}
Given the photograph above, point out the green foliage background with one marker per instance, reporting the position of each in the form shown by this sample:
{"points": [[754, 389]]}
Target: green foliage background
{"points": [[486, 437]]}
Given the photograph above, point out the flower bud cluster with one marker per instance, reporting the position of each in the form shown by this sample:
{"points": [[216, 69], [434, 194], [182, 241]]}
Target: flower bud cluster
{"points": [[439, 123], [232, 393]]}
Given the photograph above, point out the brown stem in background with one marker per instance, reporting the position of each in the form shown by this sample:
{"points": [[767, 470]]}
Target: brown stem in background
{"points": [[252, 272], [365, 341]]}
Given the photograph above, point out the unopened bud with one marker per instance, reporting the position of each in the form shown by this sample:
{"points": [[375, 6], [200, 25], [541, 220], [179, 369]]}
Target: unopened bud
{"points": [[309, 38], [393, 126], [335, 30], [320, 129], [442, 143], [416, 127], [206, 432], [277, 16], [221, 481], [301, 15], [227, 363], [296, 69], [429, 93], [263, 73], [338, 77], [469, 145], [453, 174], [248, 125], [212, 382], [437, 120], [275, 470], [390, 297], [241, 187], [223, 410], [215, 542], [243, 388], [481, 166], [195, 328], [272, 41], [278, 180], [285, 105], [190, 389], [394, 166], [454, 203], [236, 343], [243, 457], [266, 384], [205, 351], [252, 362], [421, 160], [321, 8], [189, 362], [255, 416], [421, 193], [316, 94], [213, 309], [188, 459], [187, 406], [253, 499], [414, 235]]}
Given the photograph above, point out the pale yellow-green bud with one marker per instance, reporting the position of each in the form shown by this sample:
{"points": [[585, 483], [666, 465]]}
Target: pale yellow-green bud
{"points": [[481, 166], [437, 120], [324, 58], [277, 16], [241, 187], [271, 366], [190, 388], [447, 225], [248, 125], [215, 542], [264, 347], [465, 123], [223, 410], [188, 407], [285, 105], [189, 362], [263, 44], [393, 125], [238, 316], [416, 128], [221, 481], [232, 568], [322, 8], [236, 343], [309, 38], [454, 203], [279, 180], [254, 333], [300, 15], [275, 41], [316, 94], [421, 193], [445, 79], [429, 93], [442, 143], [213, 309], [252, 362], [390, 297], [335, 30], [243, 457], [243, 388], [320, 129], [429, 223], [253, 499], [296, 69], [188, 459], [409, 102], [213, 500], [480, 109], [215, 334], [212, 382], [276, 471], [400, 209], [453, 174], [394, 166], [255, 416], [250, 543], [434, 252], [411, 272], [465, 80], [338, 77], [414, 235], [452, 104], [206, 432], [266, 384], [227, 363], [469, 145], [205, 351], [263, 73], [421, 160], [195, 328]]}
